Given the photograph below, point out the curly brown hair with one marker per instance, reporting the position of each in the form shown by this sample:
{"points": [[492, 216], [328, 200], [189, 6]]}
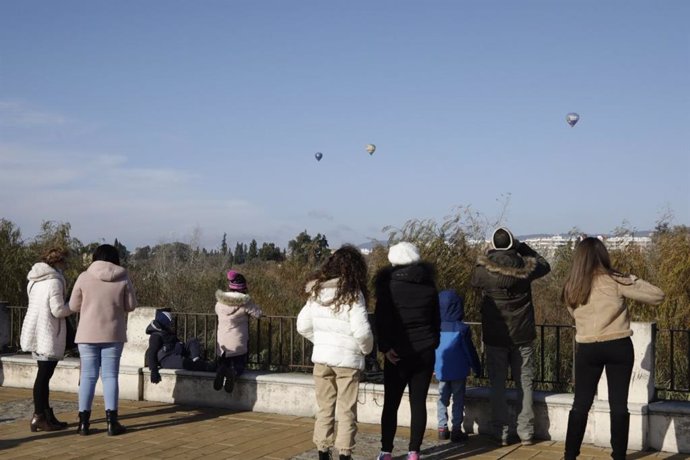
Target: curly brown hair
{"points": [[55, 255], [348, 265]]}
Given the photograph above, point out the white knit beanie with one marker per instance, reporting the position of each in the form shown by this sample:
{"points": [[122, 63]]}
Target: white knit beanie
{"points": [[403, 253]]}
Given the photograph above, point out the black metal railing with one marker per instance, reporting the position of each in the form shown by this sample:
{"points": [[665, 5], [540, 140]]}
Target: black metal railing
{"points": [[275, 345], [672, 363]]}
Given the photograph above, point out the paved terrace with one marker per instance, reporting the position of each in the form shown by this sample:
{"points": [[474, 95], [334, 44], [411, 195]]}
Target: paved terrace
{"points": [[158, 430]]}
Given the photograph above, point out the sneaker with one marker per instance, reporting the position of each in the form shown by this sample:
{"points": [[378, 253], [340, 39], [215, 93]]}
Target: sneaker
{"points": [[499, 441], [443, 433], [458, 436], [527, 442], [413, 455], [385, 456]]}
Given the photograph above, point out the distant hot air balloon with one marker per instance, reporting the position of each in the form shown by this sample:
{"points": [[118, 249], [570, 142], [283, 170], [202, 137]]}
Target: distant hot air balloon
{"points": [[572, 118], [371, 148], [318, 156]]}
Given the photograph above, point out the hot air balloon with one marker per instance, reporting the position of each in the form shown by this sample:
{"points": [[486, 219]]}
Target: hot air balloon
{"points": [[371, 148], [572, 118], [318, 156]]}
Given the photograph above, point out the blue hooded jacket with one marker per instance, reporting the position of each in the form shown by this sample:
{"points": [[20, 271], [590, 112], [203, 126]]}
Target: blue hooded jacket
{"points": [[456, 354]]}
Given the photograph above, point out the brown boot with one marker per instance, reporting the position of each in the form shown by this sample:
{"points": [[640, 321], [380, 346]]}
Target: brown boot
{"points": [[39, 422]]}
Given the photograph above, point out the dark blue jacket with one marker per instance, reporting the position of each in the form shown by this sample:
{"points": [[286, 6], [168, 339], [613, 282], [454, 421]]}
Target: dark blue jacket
{"points": [[456, 354]]}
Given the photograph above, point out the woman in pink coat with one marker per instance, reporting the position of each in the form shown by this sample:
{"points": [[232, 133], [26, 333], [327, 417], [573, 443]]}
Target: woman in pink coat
{"points": [[233, 308]]}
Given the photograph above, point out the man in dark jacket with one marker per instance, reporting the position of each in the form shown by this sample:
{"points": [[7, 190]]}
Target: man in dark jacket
{"points": [[505, 276], [407, 329]]}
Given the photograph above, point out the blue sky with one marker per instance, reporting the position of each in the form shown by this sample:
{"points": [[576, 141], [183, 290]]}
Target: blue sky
{"points": [[175, 120]]}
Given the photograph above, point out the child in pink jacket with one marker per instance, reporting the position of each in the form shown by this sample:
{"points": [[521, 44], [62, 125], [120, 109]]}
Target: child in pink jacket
{"points": [[233, 308]]}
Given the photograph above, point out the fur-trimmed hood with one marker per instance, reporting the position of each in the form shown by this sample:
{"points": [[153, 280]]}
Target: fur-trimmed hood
{"points": [[508, 263], [327, 291], [232, 298]]}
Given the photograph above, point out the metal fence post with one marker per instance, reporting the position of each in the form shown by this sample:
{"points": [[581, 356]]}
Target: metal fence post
{"points": [[5, 325]]}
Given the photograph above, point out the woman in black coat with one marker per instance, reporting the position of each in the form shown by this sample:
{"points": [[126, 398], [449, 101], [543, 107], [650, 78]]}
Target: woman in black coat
{"points": [[408, 331]]}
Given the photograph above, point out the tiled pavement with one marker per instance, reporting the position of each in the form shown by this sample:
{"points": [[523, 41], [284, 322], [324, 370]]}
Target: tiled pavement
{"points": [[158, 430]]}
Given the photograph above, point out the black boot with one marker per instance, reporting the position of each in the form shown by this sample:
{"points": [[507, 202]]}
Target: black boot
{"points": [[577, 424], [344, 457], [221, 369], [83, 427], [325, 454], [51, 417], [620, 424], [114, 427]]}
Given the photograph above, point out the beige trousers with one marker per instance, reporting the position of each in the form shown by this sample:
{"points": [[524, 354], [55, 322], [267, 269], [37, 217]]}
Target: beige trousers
{"points": [[336, 396]]}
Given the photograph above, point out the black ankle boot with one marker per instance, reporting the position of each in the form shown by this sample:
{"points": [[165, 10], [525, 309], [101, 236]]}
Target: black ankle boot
{"points": [[114, 427], [577, 425], [52, 419], [83, 427], [325, 454], [620, 425], [344, 457]]}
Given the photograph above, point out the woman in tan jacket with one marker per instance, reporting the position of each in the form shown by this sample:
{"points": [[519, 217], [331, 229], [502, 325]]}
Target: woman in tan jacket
{"points": [[595, 295], [103, 294]]}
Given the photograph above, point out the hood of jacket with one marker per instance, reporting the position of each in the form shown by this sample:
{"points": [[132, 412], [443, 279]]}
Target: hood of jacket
{"points": [[155, 327], [42, 271], [327, 291], [232, 298], [508, 263], [451, 306], [107, 271]]}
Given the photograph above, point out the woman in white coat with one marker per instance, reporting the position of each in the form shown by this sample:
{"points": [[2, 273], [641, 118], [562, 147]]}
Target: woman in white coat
{"points": [[44, 331], [335, 320]]}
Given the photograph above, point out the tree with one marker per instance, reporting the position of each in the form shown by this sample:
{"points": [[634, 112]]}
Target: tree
{"points": [[306, 250], [269, 251], [122, 250], [224, 245], [253, 251], [240, 255], [15, 262]]}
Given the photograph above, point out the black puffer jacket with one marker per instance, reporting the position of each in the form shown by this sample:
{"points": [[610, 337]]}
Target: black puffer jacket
{"points": [[505, 278], [407, 312]]}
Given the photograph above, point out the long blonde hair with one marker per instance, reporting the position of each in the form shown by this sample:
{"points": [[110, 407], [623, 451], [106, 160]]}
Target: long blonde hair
{"points": [[590, 259]]}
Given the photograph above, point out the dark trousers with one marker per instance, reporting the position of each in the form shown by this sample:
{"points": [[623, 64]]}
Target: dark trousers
{"points": [[41, 385], [616, 356], [414, 371], [232, 365]]}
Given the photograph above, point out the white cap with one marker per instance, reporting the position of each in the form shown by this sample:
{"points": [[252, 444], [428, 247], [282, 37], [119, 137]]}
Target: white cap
{"points": [[403, 253]]}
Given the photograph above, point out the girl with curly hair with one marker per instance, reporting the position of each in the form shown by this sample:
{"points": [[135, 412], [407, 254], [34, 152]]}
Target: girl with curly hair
{"points": [[335, 320]]}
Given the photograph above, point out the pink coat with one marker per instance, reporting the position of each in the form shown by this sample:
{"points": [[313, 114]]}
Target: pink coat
{"points": [[233, 310], [103, 294]]}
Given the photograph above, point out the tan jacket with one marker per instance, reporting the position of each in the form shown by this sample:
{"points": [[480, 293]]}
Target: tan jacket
{"points": [[605, 317], [103, 294]]}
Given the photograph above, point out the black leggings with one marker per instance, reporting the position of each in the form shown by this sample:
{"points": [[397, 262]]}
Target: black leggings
{"points": [[617, 357], [41, 385], [415, 371]]}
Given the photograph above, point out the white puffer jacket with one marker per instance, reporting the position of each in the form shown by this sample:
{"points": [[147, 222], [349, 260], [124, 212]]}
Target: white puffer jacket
{"points": [[341, 339], [44, 330]]}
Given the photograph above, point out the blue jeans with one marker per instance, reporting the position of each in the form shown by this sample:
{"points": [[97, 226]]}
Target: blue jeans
{"points": [[106, 358], [456, 389], [520, 359]]}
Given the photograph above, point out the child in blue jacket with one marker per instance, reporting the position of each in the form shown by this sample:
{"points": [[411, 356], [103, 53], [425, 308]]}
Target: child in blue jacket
{"points": [[455, 356]]}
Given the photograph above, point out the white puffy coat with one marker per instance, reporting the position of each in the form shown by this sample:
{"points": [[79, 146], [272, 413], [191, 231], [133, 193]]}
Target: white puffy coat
{"points": [[44, 330], [341, 339]]}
